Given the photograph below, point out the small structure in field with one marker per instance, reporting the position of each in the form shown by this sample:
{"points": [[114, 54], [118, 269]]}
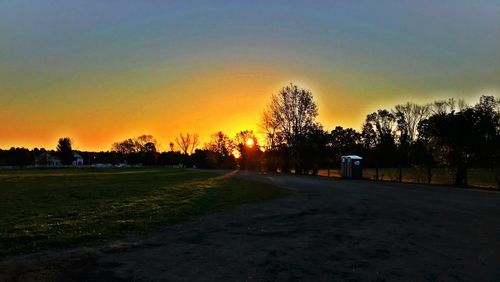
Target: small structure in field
{"points": [[350, 166]]}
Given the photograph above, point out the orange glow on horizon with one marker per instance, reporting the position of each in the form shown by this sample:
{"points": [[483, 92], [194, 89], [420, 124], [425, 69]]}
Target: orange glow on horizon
{"points": [[231, 100]]}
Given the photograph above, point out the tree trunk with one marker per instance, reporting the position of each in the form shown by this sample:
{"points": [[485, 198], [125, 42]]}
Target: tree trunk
{"points": [[497, 177], [466, 180], [400, 174], [461, 176], [429, 175], [376, 173]]}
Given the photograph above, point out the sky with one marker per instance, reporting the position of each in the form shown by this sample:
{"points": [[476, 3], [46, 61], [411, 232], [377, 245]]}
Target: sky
{"points": [[103, 71]]}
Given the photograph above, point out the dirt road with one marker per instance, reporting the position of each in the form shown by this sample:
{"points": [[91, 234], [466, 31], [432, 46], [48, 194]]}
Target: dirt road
{"points": [[327, 230]]}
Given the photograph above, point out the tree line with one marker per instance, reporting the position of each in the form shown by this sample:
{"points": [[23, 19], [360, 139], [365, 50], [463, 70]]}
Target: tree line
{"points": [[446, 133], [443, 133]]}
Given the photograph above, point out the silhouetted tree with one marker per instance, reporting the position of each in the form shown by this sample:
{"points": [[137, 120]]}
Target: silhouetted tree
{"points": [[247, 145], [441, 107], [343, 142], [270, 125], [420, 156], [142, 149], [379, 133], [408, 116], [171, 158], [127, 146], [487, 125], [220, 143], [275, 149], [286, 120], [64, 151], [222, 146], [383, 123], [204, 159], [456, 139], [145, 143], [313, 149], [19, 157], [187, 142], [142, 143]]}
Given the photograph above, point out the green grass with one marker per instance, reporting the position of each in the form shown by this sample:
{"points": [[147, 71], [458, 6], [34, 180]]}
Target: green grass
{"points": [[58, 208]]}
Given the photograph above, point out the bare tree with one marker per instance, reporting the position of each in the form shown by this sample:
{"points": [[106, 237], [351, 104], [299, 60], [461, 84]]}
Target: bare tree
{"points": [[290, 113], [171, 146], [287, 120], [187, 142], [270, 127], [245, 138], [408, 117], [145, 143], [381, 124], [379, 134], [221, 144], [442, 107]]}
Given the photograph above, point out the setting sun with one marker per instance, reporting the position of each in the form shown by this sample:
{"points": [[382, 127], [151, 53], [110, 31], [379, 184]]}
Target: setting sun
{"points": [[250, 142]]}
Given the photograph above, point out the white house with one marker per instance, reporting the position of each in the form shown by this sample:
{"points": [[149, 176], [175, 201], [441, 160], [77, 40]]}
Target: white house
{"points": [[48, 159], [78, 159]]}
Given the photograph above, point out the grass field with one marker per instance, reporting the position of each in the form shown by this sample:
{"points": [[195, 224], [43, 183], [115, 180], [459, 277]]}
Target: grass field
{"points": [[57, 208], [479, 177]]}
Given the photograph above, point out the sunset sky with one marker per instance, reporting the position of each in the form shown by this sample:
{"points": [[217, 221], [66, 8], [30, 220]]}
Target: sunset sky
{"points": [[102, 71]]}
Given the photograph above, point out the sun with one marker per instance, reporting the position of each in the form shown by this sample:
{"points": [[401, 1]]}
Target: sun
{"points": [[250, 142]]}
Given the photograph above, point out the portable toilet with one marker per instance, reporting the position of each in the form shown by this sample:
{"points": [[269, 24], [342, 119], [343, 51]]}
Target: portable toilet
{"points": [[351, 166]]}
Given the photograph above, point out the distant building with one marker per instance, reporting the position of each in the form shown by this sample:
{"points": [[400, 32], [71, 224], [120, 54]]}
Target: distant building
{"points": [[78, 159], [48, 159]]}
